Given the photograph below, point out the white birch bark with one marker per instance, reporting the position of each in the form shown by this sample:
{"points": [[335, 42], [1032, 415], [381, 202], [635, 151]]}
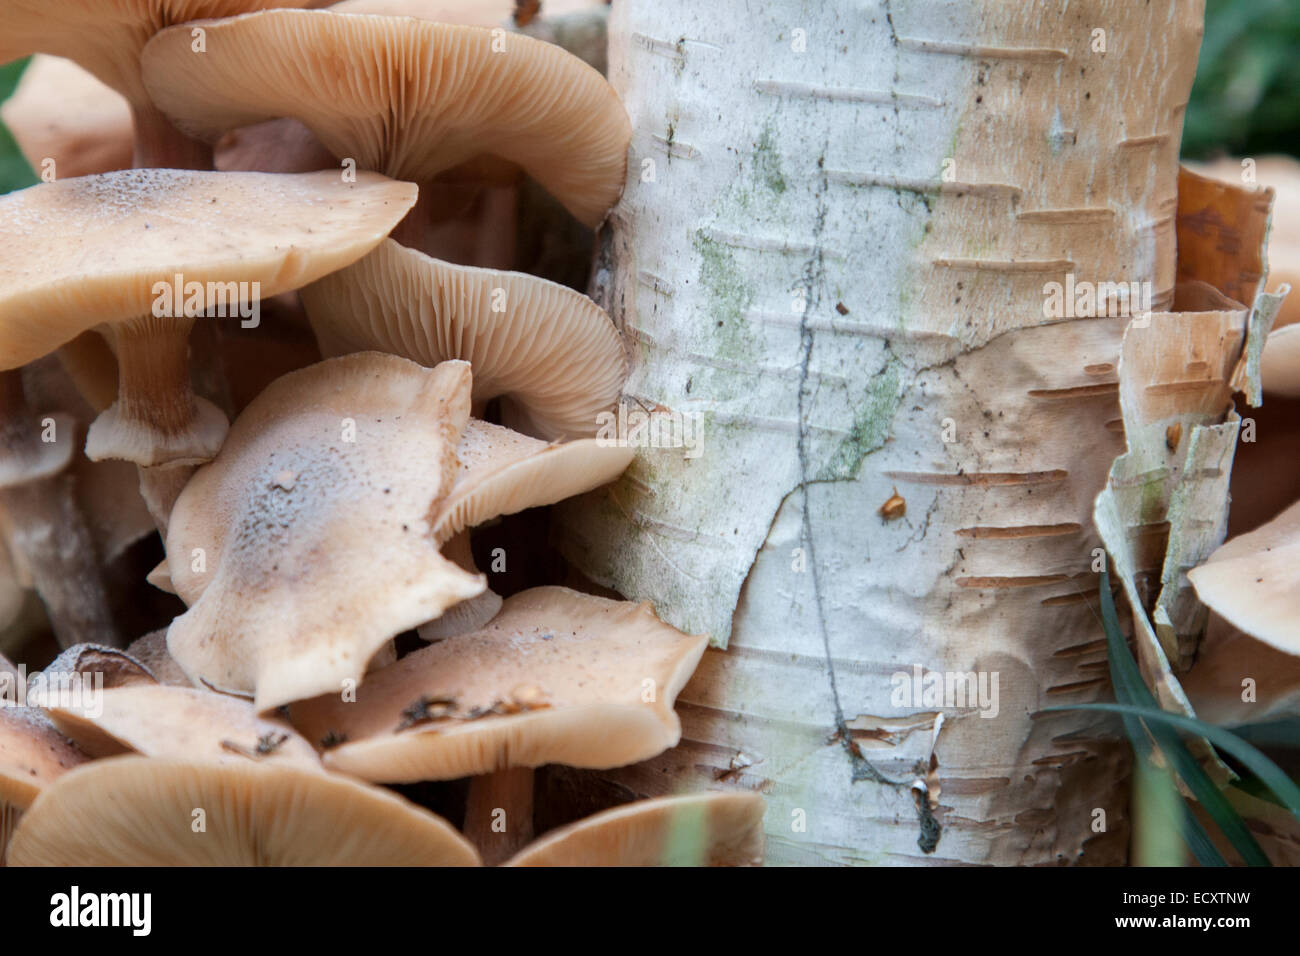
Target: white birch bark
{"points": [[838, 265]]}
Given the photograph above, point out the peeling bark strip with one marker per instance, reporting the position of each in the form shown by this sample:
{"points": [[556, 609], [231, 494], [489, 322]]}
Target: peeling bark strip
{"points": [[923, 168]]}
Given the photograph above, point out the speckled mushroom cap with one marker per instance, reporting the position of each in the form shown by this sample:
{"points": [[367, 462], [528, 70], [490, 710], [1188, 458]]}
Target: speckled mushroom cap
{"points": [[87, 251], [140, 811], [33, 754], [106, 36], [551, 352], [274, 543], [703, 829], [84, 252], [556, 677], [503, 472], [187, 723], [61, 112], [1253, 581], [1280, 363], [417, 97]]}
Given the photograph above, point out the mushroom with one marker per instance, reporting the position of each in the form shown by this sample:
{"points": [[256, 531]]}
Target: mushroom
{"points": [[1253, 582], [702, 829], [32, 756], [82, 382], [143, 811], [151, 651], [306, 546], [223, 237], [60, 112], [551, 354], [419, 98], [1280, 362], [43, 520], [556, 677], [106, 38], [501, 473], [183, 722]]}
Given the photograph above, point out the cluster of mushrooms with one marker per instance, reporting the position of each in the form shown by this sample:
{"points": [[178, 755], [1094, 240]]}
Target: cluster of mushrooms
{"points": [[315, 467]]}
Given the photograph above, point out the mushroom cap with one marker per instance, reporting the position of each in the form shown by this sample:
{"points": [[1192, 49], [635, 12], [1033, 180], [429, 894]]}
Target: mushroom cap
{"points": [[80, 252], [61, 112], [306, 545], [182, 722], [1224, 659], [1253, 581], [552, 352], [503, 472], [106, 36], [1280, 363], [33, 754], [703, 829], [416, 97], [478, 13], [140, 811], [556, 677]]}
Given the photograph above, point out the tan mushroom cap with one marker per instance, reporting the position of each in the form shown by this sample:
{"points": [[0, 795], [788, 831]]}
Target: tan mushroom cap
{"points": [[106, 36], [1253, 582], [704, 829], [552, 352], [61, 112], [556, 677], [32, 756], [503, 472], [306, 544], [1225, 658], [417, 97], [477, 13], [140, 811], [182, 722], [81, 252], [1280, 363]]}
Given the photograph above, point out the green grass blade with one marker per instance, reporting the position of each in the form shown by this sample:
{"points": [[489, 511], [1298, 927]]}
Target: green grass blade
{"points": [[1130, 688], [1129, 683], [1270, 773]]}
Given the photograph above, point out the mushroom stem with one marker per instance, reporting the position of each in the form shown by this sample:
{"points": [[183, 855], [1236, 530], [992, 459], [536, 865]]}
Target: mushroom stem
{"points": [[154, 375], [160, 145], [499, 814], [157, 419], [160, 487], [47, 528]]}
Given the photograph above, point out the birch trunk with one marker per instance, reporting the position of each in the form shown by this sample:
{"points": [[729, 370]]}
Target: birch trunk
{"points": [[832, 251]]}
